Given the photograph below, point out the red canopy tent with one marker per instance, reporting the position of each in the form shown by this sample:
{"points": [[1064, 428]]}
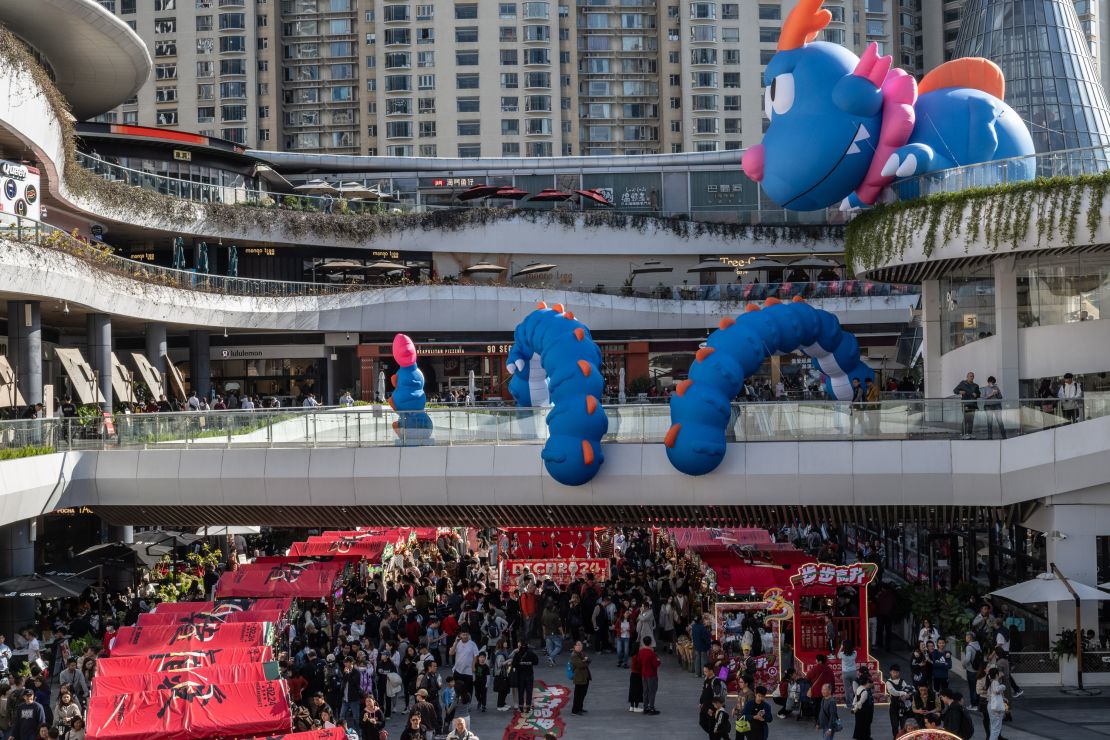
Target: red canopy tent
{"points": [[539, 543], [700, 538], [369, 548], [309, 580], [213, 674], [151, 619], [164, 660], [331, 733], [224, 606], [191, 712], [187, 637]]}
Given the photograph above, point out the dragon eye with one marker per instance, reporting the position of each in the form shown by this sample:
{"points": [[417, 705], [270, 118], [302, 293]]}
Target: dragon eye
{"points": [[779, 95]]}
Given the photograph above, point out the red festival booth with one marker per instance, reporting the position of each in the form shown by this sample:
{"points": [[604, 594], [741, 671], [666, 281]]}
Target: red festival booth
{"points": [[223, 606], [178, 660], [565, 554], [143, 640], [774, 589], [306, 580]]}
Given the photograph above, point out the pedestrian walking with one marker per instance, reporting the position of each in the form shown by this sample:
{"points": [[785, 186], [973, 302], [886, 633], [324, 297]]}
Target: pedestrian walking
{"points": [[721, 726], [649, 670], [758, 714], [849, 670], [941, 659], [863, 709], [524, 665], [972, 660], [996, 702], [580, 676], [900, 692], [828, 720]]}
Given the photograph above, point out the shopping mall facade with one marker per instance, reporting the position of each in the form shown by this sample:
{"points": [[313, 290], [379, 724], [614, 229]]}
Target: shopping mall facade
{"points": [[140, 259]]}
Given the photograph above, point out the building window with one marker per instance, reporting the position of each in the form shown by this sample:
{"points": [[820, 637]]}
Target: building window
{"points": [[676, 103], [768, 35], [467, 35], [467, 105], [167, 25], [233, 90], [427, 129], [425, 59], [676, 127], [508, 57], [510, 104], [206, 45], [506, 11], [428, 150], [233, 21], [510, 149], [169, 71], [233, 67], [126, 7], [165, 95], [730, 11], [426, 105], [470, 128], [730, 35], [425, 82], [396, 13], [263, 111], [538, 148], [339, 26], [425, 12], [233, 43], [509, 80], [233, 112], [398, 130], [466, 81], [167, 117], [165, 49], [397, 36], [510, 127], [537, 56], [425, 35], [466, 12], [732, 102], [732, 125], [206, 114], [206, 92], [466, 59], [160, 5], [399, 83], [770, 12], [470, 151]]}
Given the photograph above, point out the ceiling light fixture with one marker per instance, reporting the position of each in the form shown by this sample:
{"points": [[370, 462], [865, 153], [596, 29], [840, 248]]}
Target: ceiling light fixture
{"points": [[65, 307], [225, 332]]}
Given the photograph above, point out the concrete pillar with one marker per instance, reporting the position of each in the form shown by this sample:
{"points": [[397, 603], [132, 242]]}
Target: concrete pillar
{"points": [[1008, 360], [99, 326], [329, 396], [125, 533], [932, 326], [25, 348], [17, 558], [200, 367], [156, 349]]}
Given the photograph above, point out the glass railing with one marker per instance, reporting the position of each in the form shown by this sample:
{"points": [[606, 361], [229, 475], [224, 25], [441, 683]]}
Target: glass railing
{"points": [[373, 426], [1065, 163], [743, 292], [741, 215]]}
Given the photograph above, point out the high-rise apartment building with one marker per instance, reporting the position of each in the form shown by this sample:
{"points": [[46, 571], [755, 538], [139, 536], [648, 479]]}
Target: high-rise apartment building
{"points": [[473, 77]]}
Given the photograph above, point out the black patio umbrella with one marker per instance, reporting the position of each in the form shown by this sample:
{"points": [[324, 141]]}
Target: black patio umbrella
{"points": [[43, 587]]}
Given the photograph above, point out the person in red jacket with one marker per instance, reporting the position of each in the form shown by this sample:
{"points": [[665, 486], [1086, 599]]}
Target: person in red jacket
{"points": [[819, 675], [649, 670]]}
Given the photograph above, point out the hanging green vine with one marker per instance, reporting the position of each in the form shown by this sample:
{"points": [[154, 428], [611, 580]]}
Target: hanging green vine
{"points": [[1002, 216]]}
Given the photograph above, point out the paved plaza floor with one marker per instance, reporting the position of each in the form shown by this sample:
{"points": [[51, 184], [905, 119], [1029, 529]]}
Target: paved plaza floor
{"points": [[1041, 713]]}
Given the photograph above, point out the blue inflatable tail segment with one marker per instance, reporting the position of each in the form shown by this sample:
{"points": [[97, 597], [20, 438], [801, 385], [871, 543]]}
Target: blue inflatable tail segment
{"points": [[701, 407], [408, 393], [555, 362]]}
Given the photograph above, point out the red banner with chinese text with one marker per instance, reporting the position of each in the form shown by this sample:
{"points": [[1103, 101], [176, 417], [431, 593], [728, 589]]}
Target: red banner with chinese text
{"points": [[191, 712], [310, 580], [151, 619], [140, 640], [157, 661], [561, 571], [225, 605]]}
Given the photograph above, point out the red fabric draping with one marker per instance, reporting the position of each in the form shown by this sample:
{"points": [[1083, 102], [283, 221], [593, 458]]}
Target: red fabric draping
{"points": [[332, 733], [526, 543], [165, 660], [224, 606], [734, 572], [312, 580], [366, 548], [212, 674], [192, 712], [150, 619], [702, 537], [185, 637]]}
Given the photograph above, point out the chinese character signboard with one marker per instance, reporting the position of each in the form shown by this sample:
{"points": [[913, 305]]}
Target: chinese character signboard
{"points": [[831, 576], [561, 571]]}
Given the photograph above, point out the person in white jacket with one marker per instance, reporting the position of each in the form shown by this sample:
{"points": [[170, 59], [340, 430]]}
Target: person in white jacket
{"points": [[1071, 398]]}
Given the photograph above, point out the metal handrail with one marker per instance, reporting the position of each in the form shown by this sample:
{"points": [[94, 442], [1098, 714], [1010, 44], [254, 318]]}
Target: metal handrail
{"points": [[374, 425]]}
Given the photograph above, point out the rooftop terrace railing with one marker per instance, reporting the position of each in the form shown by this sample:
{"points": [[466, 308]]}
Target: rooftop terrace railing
{"points": [[372, 426], [1065, 163], [235, 195], [100, 255]]}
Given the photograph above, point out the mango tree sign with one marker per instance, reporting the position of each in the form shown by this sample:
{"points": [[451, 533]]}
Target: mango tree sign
{"points": [[828, 574], [561, 571]]}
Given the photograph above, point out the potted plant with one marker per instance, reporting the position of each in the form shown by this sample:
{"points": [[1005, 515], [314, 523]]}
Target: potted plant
{"points": [[1064, 650]]}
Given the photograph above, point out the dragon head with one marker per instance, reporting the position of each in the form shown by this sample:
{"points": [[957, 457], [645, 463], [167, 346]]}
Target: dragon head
{"points": [[825, 109]]}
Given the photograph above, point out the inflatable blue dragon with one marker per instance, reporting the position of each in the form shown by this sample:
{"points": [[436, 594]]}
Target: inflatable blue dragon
{"points": [[701, 407], [843, 128], [555, 362], [408, 394]]}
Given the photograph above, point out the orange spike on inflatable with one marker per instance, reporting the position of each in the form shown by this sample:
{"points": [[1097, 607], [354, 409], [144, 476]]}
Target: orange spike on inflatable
{"points": [[771, 301], [751, 307], [672, 435], [803, 24], [396, 426], [541, 304], [393, 379], [798, 299], [391, 403], [558, 308], [704, 352], [587, 453], [591, 405], [569, 315], [681, 388], [726, 322], [584, 367], [580, 333]]}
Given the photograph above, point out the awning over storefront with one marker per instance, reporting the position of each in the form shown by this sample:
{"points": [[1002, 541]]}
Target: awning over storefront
{"points": [[149, 374], [123, 384], [177, 382], [311, 580], [81, 375], [9, 390]]}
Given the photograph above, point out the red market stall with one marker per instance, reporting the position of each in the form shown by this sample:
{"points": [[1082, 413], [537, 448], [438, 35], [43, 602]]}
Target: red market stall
{"points": [[369, 548], [329, 733], [224, 606], [307, 580], [192, 712], [564, 554], [213, 674], [179, 660], [142, 640], [151, 619]]}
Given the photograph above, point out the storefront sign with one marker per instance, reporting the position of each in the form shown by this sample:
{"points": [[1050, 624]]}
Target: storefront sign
{"points": [[827, 574], [451, 182], [269, 352], [19, 195], [561, 571], [182, 155], [260, 251]]}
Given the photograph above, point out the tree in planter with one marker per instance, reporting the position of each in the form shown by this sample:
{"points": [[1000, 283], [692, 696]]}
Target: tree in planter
{"points": [[944, 610], [639, 384], [1065, 647]]}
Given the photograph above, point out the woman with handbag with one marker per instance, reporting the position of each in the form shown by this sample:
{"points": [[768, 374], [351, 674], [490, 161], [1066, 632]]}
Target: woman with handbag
{"points": [[996, 702], [502, 666], [863, 708]]}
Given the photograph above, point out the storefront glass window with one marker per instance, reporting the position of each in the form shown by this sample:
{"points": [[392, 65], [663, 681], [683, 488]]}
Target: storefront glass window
{"points": [[1063, 292], [630, 191], [966, 308]]}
